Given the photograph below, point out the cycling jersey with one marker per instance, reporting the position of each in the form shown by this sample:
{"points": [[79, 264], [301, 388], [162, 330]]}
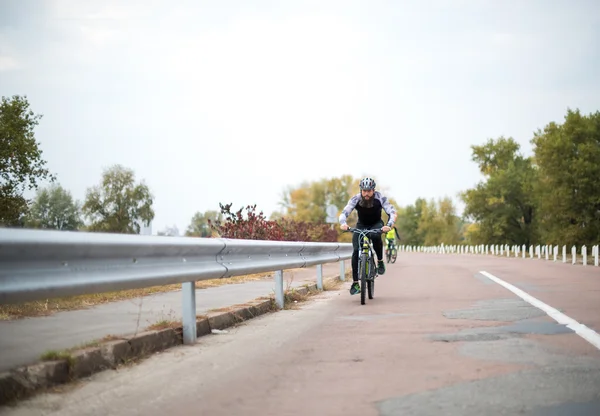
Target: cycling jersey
{"points": [[368, 215]]}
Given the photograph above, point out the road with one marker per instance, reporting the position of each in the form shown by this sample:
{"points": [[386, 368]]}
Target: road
{"points": [[439, 338]]}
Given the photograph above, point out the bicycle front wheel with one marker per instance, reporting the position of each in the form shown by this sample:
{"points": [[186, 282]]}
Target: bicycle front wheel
{"points": [[363, 277]]}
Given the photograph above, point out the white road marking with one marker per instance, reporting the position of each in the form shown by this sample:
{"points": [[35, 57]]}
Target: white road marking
{"points": [[583, 331]]}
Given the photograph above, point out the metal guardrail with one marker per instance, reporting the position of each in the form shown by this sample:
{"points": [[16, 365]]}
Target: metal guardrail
{"points": [[42, 264]]}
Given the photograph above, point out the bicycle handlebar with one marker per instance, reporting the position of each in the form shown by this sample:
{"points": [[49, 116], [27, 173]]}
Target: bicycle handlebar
{"points": [[357, 230]]}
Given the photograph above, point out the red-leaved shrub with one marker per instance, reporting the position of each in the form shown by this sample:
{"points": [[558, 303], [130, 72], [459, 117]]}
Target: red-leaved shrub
{"points": [[257, 227]]}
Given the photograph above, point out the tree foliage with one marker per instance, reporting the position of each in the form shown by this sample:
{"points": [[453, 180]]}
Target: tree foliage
{"points": [[552, 197], [308, 201], [503, 204], [200, 224], [21, 163], [54, 208], [429, 223], [568, 190], [118, 204]]}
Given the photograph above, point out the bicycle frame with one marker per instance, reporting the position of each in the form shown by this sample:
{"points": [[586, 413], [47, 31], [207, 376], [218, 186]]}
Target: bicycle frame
{"points": [[367, 244], [367, 257]]}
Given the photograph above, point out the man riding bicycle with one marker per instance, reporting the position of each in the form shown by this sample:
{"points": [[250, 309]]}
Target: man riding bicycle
{"points": [[368, 204]]}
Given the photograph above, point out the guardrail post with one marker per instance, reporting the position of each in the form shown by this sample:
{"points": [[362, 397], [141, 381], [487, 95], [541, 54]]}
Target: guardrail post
{"points": [[188, 290], [320, 276], [279, 301], [342, 271]]}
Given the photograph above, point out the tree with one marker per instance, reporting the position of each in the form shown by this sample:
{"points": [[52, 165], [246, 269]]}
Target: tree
{"points": [[200, 225], [408, 221], [568, 190], [439, 223], [118, 204], [307, 202], [503, 205], [54, 208], [21, 163]]}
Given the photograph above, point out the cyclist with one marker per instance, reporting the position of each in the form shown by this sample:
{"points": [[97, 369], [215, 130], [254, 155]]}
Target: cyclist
{"points": [[368, 204], [391, 238]]}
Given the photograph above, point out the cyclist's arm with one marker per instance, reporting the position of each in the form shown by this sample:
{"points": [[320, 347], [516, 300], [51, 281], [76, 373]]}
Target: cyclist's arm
{"points": [[348, 209], [389, 209]]}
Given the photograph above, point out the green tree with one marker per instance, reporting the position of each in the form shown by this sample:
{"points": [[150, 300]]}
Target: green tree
{"points": [[568, 190], [408, 223], [503, 205], [21, 163], [439, 223], [54, 208], [118, 204], [307, 202], [200, 226]]}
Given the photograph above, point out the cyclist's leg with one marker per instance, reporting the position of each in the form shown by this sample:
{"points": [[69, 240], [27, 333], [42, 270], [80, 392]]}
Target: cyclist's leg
{"points": [[355, 287], [378, 246]]}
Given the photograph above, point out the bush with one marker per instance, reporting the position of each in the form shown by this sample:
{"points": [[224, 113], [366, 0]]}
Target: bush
{"points": [[257, 227]]}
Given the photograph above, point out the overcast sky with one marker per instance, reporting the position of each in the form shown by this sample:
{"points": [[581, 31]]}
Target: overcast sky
{"points": [[231, 101]]}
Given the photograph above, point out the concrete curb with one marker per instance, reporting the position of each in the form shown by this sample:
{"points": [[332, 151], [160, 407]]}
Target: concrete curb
{"points": [[24, 381]]}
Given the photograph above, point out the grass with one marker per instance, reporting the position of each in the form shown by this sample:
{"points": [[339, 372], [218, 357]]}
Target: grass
{"points": [[163, 324], [54, 355], [50, 306], [333, 284]]}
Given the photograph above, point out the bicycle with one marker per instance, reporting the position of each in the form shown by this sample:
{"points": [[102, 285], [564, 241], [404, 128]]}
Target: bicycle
{"points": [[391, 253], [367, 268]]}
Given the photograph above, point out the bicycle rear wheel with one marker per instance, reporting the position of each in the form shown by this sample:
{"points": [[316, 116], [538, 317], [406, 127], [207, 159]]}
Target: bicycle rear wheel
{"points": [[394, 255], [363, 277]]}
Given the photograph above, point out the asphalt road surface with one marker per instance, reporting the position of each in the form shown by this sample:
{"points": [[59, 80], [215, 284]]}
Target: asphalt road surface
{"points": [[440, 338]]}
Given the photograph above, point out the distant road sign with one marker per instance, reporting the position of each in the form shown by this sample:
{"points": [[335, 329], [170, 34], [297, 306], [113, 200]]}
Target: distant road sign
{"points": [[332, 216]]}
